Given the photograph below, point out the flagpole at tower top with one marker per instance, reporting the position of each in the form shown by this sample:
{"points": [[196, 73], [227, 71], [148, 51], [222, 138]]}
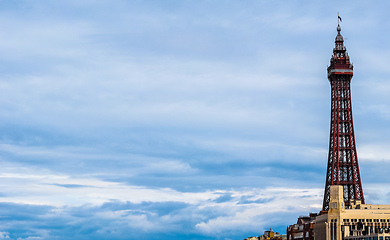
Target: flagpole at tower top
{"points": [[339, 19]]}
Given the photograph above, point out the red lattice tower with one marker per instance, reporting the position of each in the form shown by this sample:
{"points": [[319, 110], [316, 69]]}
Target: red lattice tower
{"points": [[343, 167]]}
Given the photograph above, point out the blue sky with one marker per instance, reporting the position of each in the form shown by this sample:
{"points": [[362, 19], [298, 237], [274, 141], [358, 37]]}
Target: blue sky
{"points": [[180, 119]]}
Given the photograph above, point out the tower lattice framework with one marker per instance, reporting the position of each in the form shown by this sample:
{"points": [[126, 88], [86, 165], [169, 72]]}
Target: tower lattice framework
{"points": [[343, 167]]}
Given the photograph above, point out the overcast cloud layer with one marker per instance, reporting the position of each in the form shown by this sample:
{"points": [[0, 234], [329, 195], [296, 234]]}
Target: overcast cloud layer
{"points": [[180, 119]]}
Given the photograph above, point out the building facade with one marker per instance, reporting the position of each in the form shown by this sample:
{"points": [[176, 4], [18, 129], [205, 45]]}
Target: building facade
{"points": [[303, 229], [268, 235], [355, 221]]}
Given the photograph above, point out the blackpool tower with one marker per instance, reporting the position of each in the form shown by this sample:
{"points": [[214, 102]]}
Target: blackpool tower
{"points": [[343, 167]]}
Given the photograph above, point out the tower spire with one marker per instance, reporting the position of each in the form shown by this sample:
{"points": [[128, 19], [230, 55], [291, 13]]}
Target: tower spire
{"points": [[343, 167]]}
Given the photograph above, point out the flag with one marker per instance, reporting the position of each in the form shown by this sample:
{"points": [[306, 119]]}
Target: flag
{"points": [[340, 18]]}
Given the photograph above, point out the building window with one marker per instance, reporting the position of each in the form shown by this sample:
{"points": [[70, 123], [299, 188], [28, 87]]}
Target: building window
{"points": [[333, 231]]}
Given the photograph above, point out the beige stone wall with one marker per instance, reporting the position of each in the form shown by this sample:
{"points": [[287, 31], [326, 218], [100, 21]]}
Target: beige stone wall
{"points": [[341, 222]]}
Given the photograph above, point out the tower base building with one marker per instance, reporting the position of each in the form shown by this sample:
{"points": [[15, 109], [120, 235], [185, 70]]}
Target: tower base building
{"points": [[357, 221]]}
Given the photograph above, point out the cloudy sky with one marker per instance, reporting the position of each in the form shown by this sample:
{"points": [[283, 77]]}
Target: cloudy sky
{"points": [[180, 119]]}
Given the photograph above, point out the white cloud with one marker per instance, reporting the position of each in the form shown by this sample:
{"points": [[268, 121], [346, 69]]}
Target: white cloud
{"points": [[374, 152], [253, 216], [4, 235]]}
